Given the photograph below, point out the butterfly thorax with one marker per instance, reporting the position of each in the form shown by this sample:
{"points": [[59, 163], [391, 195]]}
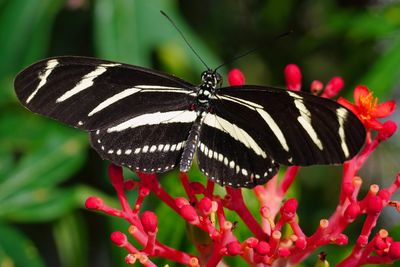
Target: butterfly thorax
{"points": [[210, 81]]}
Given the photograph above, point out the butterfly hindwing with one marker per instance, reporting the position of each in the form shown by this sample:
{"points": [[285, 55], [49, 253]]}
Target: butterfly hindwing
{"points": [[90, 93], [228, 156], [296, 128]]}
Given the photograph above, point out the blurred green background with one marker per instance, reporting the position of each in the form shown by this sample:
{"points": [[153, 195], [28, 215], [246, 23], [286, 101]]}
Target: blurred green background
{"points": [[47, 170]]}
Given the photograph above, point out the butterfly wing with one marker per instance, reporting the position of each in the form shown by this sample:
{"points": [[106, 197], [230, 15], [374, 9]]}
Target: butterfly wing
{"points": [[136, 117], [151, 142], [89, 93], [230, 156], [294, 128]]}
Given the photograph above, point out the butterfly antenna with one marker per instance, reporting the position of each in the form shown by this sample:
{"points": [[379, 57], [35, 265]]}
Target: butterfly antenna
{"points": [[254, 49], [183, 36]]}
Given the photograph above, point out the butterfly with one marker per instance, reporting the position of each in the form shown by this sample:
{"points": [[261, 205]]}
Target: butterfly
{"points": [[151, 121]]}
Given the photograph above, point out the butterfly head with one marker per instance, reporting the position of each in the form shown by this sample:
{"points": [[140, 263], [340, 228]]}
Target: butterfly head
{"points": [[211, 78]]}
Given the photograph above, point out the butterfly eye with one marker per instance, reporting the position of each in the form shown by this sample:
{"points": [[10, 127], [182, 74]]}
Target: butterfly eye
{"points": [[204, 76]]}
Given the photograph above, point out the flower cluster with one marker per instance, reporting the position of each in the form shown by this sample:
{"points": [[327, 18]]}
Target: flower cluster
{"points": [[267, 245]]}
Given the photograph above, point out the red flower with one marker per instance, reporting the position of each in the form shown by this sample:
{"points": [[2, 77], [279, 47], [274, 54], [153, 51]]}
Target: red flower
{"points": [[235, 77], [293, 77], [367, 109]]}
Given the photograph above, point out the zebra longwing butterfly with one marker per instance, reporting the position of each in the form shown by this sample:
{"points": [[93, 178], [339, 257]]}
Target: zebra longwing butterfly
{"points": [[151, 121]]}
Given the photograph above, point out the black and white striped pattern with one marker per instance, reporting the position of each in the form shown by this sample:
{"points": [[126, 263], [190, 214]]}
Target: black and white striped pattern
{"points": [[153, 122]]}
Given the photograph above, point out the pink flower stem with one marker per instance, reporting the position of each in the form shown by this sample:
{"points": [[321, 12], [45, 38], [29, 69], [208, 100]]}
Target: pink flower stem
{"points": [[131, 249], [150, 180], [383, 260], [237, 204], [367, 251], [159, 249], [151, 243], [210, 188], [186, 185], [268, 196], [288, 179], [220, 213], [318, 239], [216, 255], [395, 186], [173, 254], [366, 152]]}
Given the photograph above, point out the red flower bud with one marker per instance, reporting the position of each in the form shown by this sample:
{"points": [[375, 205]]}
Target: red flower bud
{"points": [[342, 239], [333, 87], [316, 87], [380, 243], [301, 243], [189, 214], [144, 191], [262, 248], [289, 208], [251, 242], [94, 203], [205, 206], [362, 240], [293, 77], [265, 212], [149, 221], [394, 251], [181, 201], [115, 173], [374, 205], [352, 211], [388, 129], [119, 238], [235, 77], [283, 252], [234, 248]]}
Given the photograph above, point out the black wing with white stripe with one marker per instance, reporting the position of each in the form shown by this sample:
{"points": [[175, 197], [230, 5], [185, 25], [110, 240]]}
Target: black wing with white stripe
{"points": [[137, 117], [89, 93], [229, 156], [294, 128], [152, 142]]}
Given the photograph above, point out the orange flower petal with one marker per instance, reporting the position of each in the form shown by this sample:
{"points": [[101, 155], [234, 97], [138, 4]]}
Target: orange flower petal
{"points": [[361, 90], [384, 109]]}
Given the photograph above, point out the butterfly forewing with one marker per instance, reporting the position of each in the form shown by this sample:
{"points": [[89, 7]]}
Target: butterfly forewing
{"points": [[150, 143], [91, 93], [295, 128]]}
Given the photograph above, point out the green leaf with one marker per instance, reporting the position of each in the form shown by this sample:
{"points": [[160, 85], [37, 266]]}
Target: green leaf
{"points": [[384, 74], [44, 167], [71, 239], [42, 153], [130, 31], [40, 205], [17, 249], [25, 30]]}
